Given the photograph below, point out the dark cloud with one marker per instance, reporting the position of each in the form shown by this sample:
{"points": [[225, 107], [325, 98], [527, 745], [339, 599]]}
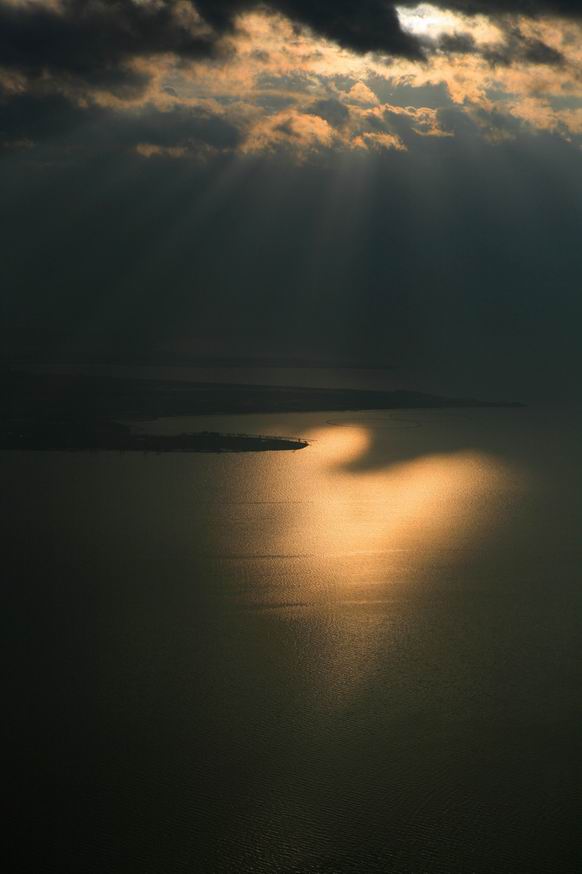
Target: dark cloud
{"points": [[373, 25], [91, 43], [361, 25], [457, 43], [370, 26], [334, 112], [94, 41], [519, 50], [516, 48], [565, 8], [31, 119]]}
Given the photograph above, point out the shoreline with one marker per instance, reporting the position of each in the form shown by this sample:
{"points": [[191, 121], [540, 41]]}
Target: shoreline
{"points": [[64, 440]]}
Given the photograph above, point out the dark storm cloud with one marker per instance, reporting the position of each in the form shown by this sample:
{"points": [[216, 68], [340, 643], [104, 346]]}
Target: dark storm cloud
{"points": [[515, 49], [361, 25], [33, 119], [566, 8], [93, 41], [90, 44], [457, 43], [520, 49], [334, 112]]}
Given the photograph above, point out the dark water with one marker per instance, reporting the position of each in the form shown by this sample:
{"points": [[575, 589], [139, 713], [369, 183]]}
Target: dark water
{"points": [[360, 657]]}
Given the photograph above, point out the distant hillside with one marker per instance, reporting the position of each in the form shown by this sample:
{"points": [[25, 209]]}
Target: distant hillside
{"points": [[26, 396]]}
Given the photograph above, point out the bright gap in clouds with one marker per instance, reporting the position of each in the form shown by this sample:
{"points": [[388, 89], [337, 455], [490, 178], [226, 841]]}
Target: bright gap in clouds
{"points": [[427, 20]]}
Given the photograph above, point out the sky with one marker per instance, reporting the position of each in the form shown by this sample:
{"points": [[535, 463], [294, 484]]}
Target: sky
{"points": [[331, 180]]}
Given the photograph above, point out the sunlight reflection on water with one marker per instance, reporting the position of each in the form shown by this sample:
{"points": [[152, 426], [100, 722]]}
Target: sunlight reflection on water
{"points": [[414, 506], [351, 539], [358, 657]]}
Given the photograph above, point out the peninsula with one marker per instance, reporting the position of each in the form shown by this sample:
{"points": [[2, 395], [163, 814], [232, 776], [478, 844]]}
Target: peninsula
{"points": [[83, 411]]}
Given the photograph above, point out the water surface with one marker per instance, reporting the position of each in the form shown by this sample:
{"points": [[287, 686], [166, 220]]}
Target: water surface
{"points": [[360, 657]]}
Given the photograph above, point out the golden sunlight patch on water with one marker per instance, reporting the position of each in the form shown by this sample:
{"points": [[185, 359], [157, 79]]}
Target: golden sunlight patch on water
{"points": [[341, 444], [364, 532], [419, 505], [368, 534]]}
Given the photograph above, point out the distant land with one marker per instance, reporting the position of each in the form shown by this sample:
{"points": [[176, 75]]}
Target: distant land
{"points": [[114, 436], [210, 361], [279, 362], [83, 395], [52, 411]]}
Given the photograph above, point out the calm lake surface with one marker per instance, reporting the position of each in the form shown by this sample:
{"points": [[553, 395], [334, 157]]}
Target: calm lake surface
{"points": [[359, 657]]}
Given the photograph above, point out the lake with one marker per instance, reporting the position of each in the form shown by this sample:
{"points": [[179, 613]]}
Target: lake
{"points": [[359, 657]]}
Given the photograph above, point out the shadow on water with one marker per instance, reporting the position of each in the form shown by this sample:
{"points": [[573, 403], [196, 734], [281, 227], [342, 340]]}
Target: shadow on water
{"points": [[122, 651]]}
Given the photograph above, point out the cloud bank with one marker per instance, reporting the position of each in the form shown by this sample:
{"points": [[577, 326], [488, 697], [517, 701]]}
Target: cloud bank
{"points": [[181, 79]]}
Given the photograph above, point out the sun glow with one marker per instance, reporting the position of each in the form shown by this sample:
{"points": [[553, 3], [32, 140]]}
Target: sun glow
{"points": [[427, 20]]}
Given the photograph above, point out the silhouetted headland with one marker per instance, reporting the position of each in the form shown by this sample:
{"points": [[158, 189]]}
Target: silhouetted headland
{"points": [[64, 411], [113, 436]]}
